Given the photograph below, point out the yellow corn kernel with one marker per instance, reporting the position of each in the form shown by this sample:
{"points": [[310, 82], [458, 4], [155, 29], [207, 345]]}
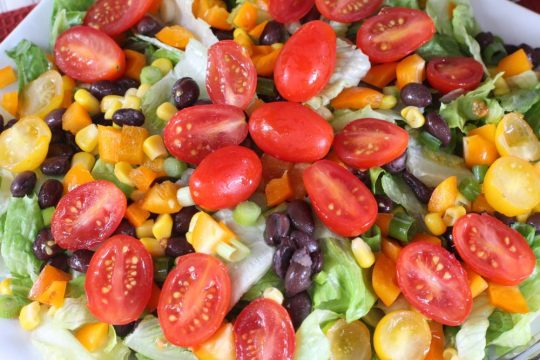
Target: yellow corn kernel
{"points": [[162, 228], [388, 102], [87, 138], [145, 230], [131, 92], [166, 111], [5, 287], [362, 253], [30, 316], [183, 195], [109, 101], [154, 147], [242, 38], [131, 102], [84, 159], [155, 247], [413, 117], [451, 215], [93, 336], [435, 223], [273, 294], [137, 195], [121, 171], [87, 101], [450, 354], [523, 217], [164, 65], [501, 87], [142, 90]]}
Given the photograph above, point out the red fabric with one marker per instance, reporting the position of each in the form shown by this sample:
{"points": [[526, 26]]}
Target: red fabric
{"points": [[533, 5], [10, 20]]}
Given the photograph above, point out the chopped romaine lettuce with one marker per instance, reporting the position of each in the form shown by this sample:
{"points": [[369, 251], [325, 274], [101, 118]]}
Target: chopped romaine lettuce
{"points": [[73, 314], [440, 45], [30, 60], [159, 93], [11, 305], [270, 279], [465, 29], [396, 189], [166, 51], [311, 342], [343, 117], [6, 178], [526, 80], [471, 338], [439, 11], [65, 14], [199, 28], [105, 171], [520, 100], [402, 3]]}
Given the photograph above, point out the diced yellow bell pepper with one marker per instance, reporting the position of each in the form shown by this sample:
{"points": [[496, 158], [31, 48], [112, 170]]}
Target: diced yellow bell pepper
{"points": [[93, 336], [205, 233]]}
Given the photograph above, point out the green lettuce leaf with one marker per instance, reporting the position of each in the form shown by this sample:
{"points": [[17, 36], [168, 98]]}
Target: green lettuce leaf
{"points": [[311, 342], [6, 178], [402, 3], [163, 50], [526, 80], [10, 306], [520, 100], [30, 60], [440, 45], [342, 286], [343, 117], [399, 192], [105, 171], [270, 279], [439, 11], [533, 118], [73, 314], [65, 14], [471, 338]]}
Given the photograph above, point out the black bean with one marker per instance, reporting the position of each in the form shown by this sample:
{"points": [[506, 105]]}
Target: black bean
{"points": [[54, 119], [55, 166], [178, 246], [448, 242], [223, 34], [149, 26], [298, 307], [60, 149], [436, 126], [398, 165], [50, 193], [300, 214], [60, 261], [185, 92], [125, 228], [277, 226], [125, 330], [130, 117], [298, 276], [286, 241], [363, 176], [80, 260], [99, 119], [1, 123], [414, 94], [318, 261], [313, 14], [103, 88], [422, 192], [534, 220], [510, 48], [273, 33], [70, 139], [182, 219], [532, 54], [282, 259], [10, 123], [23, 184], [127, 83], [452, 95], [203, 102], [57, 136], [384, 203], [303, 240], [507, 220], [484, 39], [44, 246]]}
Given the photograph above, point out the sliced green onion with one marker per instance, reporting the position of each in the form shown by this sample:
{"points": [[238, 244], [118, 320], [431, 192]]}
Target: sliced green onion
{"points": [[402, 227], [150, 75], [494, 52], [474, 108], [174, 167], [161, 268], [429, 141], [373, 238], [47, 215], [265, 87], [469, 188], [280, 208], [246, 213], [391, 90], [479, 172], [233, 252]]}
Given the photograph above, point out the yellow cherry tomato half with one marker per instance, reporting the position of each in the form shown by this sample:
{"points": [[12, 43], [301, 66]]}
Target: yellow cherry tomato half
{"points": [[512, 186], [402, 334], [42, 95], [349, 341], [514, 137], [24, 145]]}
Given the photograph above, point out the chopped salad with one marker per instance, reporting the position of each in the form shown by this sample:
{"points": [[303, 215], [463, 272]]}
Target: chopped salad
{"points": [[271, 179]]}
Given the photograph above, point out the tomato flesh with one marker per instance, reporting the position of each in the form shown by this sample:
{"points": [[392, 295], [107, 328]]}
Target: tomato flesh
{"points": [[87, 54], [492, 249], [340, 200], [306, 139], [368, 143], [347, 11], [196, 131], [194, 299], [264, 330], [88, 215], [231, 77], [306, 62], [225, 178], [116, 16], [119, 280], [287, 11], [452, 73], [394, 33]]}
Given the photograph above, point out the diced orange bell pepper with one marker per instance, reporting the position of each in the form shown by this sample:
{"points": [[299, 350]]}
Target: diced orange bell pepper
{"points": [[246, 18], [48, 275], [154, 8], [200, 7], [142, 177], [357, 98], [436, 348], [7, 76], [480, 205], [92, 336], [262, 50], [278, 190], [477, 283], [217, 18], [410, 70], [296, 178], [54, 294], [161, 199], [444, 195], [131, 144], [176, 36], [156, 165], [381, 75], [154, 299], [427, 238], [218, 347], [383, 222], [205, 233], [384, 279], [76, 176], [10, 102], [75, 118], [514, 64], [487, 132], [68, 85], [265, 64], [273, 168], [507, 298], [257, 31], [390, 248], [135, 61], [108, 143], [136, 215], [479, 151]]}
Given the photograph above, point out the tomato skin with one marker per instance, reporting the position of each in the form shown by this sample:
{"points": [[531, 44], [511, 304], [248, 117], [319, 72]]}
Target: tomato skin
{"points": [[306, 62], [287, 11], [269, 327], [190, 314], [434, 282], [340, 200], [231, 77], [116, 16], [87, 54], [398, 41], [306, 139], [196, 131], [492, 249], [342, 11], [111, 268], [450, 73], [379, 141], [104, 205], [226, 177]]}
